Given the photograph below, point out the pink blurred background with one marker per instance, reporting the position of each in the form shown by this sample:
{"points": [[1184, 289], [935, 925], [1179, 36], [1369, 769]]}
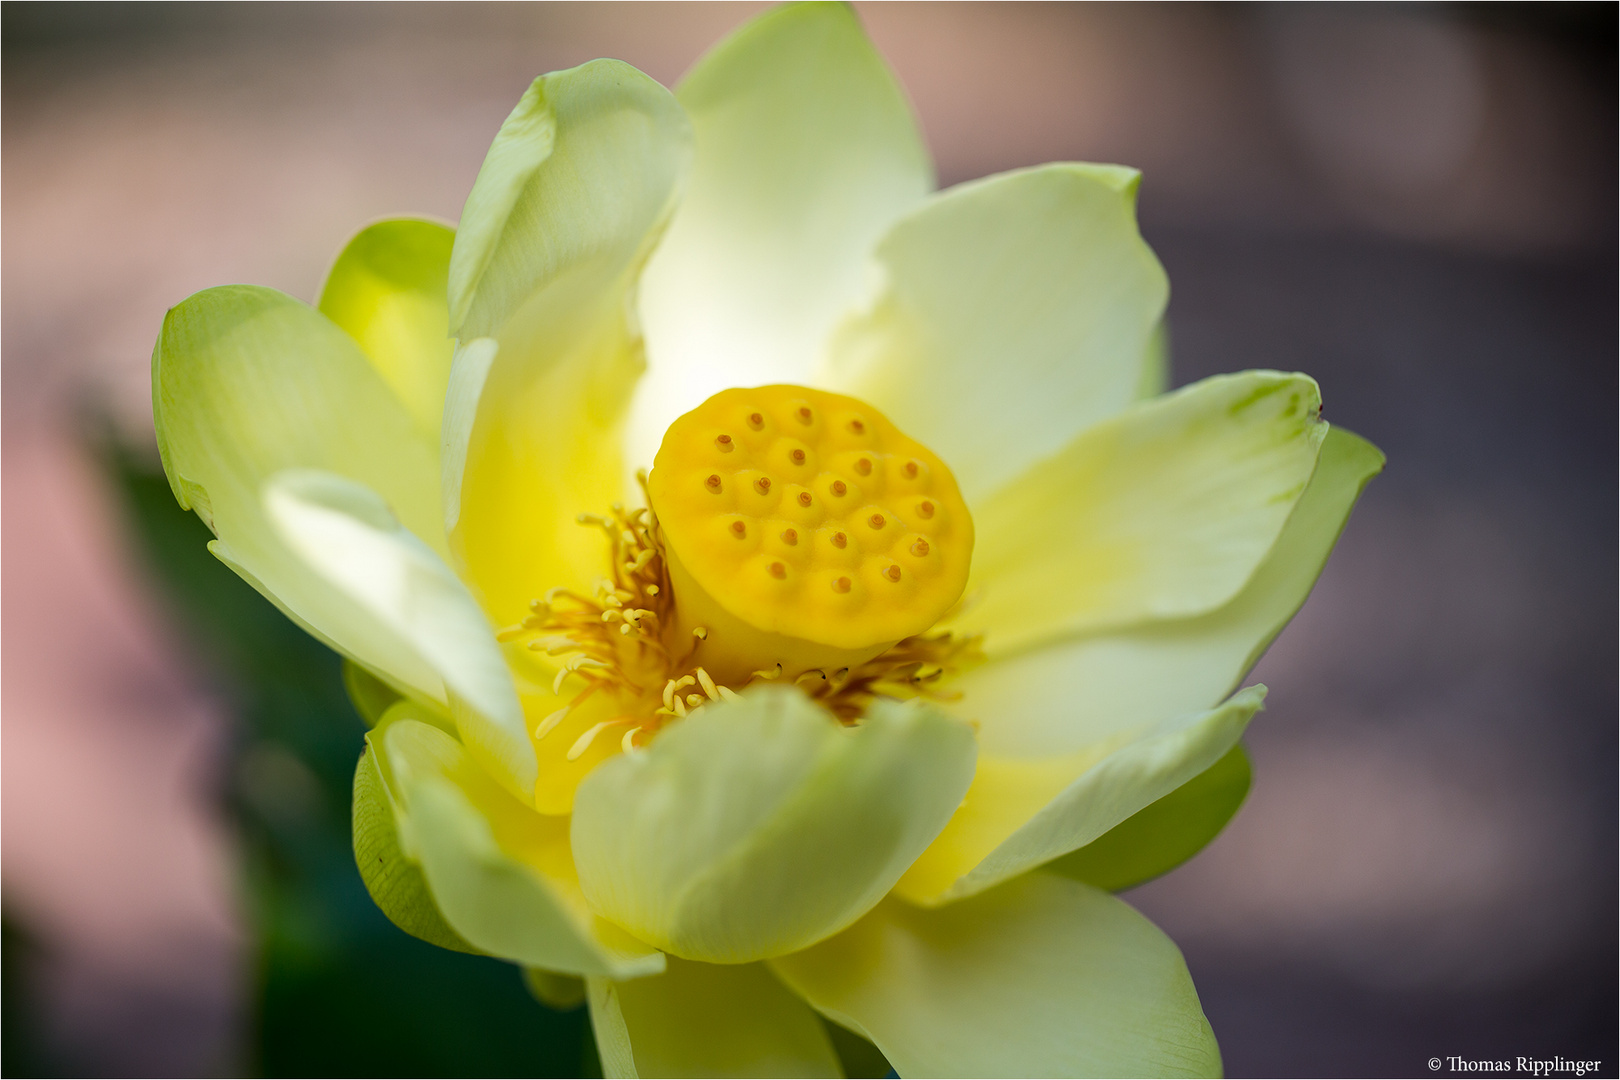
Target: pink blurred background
{"points": [[1416, 205]]}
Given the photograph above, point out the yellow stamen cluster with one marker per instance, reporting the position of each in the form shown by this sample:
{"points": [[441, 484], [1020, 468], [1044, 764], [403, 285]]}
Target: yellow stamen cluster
{"points": [[621, 642]]}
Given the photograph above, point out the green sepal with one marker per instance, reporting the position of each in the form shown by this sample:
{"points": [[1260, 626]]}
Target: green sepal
{"points": [[369, 694], [1163, 835], [395, 882]]}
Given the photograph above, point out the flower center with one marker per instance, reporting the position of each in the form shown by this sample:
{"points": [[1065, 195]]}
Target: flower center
{"points": [[802, 529], [798, 537]]}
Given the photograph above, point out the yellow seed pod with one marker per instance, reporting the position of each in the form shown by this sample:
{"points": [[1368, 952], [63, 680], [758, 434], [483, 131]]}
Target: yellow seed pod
{"points": [[802, 528]]}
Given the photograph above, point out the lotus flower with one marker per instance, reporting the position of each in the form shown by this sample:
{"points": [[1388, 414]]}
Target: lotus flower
{"points": [[921, 634]]}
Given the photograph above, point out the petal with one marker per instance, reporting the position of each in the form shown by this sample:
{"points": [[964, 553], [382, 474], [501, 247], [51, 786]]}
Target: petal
{"points": [[1022, 812], [395, 883], [806, 153], [1165, 834], [755, 827], [707, 1020], [1017, 311], [369, 695], [247, 382], [1041, 977], [500, 873], [387, 290], [1027, 705], [1161, 512], [570, 200], [347, 535]]}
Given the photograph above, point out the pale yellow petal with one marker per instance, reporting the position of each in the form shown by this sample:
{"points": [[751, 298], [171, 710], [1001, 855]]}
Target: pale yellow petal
{"points": [[1162, 512], [1015, 311], [707, 1020], [1041, 977], [806, 153], [571, 199]]}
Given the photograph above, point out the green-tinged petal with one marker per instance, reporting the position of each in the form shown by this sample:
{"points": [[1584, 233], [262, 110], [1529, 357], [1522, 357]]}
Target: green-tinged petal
{"points": [[707, 1020], [501, 873], [570, 200], [346, 533], [554, 989], [806, 153], [1155, 365], [369, 695], [1165, 834], [394, 882], [757, 826], [247, 382], [1020, 813], [387, 290], [1017, 311], [1161, 512], [1083, 691], [1041, 977]]}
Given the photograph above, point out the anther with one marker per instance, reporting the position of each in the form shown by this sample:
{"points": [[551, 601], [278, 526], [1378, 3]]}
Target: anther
{"points": [[838, 488], [778, 571], [739, 529], [628, 743], [756, 421], [550, 723], [804, 498], [876, 521], [763, 485], [841, 585], [693, 700], [804, 414], [790, 537], [840, 540], [864, 467], [701, 633], [769, 673], [797, 456], [652, 590], [892, 573], [713, 483], [583, 743], [857, 427], [925, 508], [724, 443], [708, 685], [920, 548], [911, 470]]}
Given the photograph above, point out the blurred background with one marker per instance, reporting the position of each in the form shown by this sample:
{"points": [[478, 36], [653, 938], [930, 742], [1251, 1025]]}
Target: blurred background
{"points": [[1414, 204]]}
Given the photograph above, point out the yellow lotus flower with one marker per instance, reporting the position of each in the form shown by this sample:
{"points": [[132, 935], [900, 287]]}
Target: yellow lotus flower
{"points": [[935, 616]]}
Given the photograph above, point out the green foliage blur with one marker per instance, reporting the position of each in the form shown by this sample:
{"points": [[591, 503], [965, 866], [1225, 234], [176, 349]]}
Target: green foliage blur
{"points": [[338, 990]]}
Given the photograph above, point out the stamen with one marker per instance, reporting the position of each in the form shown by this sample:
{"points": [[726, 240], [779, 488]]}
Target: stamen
{"points": [[756, 421], [770, 673], [713, 483], [708, 685], [724, 443], [674, 685], [549, 724], [763, 485], [840, 540], [701, 633], [628, 743], [797, 456], [583, 743], [838, 488], [804, 498], [876, 521], [693, 700]]}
